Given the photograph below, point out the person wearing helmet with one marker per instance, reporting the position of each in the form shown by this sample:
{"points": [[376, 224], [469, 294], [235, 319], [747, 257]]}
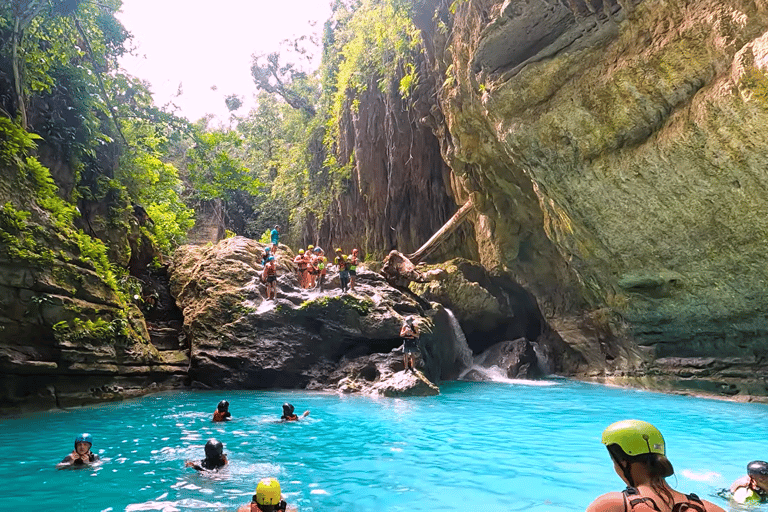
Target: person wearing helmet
{"points": [[82, 454], [753, 487], [268, 498], [214, 457], [638, 452], [410, 334], [222, 411], [288, 414], [265, 255], [342, 264], [321, 260], [354, 261], [312, 268], [275, 237], [301, 268], [269, 276]]}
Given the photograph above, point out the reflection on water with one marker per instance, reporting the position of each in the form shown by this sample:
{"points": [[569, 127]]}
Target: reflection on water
{"points": [[516, 445]]}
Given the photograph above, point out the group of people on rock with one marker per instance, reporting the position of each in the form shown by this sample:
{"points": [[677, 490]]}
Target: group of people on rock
{"points": [[311, 267], [268, 496]]}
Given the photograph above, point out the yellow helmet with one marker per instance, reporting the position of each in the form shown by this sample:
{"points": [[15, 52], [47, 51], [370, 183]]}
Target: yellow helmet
{"points": [[301, 251], [268, 492], [338, 249], [635, 437], [310, 247]]}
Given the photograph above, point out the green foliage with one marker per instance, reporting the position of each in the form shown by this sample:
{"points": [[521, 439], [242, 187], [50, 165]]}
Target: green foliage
{"points": [[338, 302], [755, 80], [14, 141], [99, 332]]}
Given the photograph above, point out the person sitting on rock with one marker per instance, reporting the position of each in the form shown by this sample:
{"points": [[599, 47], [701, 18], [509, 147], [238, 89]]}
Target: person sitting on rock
{"points": [[354, 261], [288, 413], [410, 334], [82, 454], [222, 412], [752, 487], [214, 457], [265, 255], [268, 498], [269, 276]]}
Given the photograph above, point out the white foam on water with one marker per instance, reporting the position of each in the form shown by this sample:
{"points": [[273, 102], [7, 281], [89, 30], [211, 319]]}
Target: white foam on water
{"points": [[707, 476], [496, 374]]}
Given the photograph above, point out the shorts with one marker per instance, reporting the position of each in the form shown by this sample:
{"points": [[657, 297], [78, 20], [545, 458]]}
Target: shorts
{"points": [[353, 272], [271, 279], [344, 275], [410, 346]]}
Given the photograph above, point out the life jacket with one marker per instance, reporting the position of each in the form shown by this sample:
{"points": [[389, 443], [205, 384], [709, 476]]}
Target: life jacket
{"points": [[341, 260], [270, 269], [353, 261], [219, 415], [292, 417], [637, 503]]}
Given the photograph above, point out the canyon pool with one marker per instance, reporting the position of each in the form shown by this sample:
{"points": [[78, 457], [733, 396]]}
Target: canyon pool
{"points": [[491, 446]]}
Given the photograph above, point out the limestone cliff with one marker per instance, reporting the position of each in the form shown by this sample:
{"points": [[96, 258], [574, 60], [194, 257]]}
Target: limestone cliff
{"points": [[616, 155]]}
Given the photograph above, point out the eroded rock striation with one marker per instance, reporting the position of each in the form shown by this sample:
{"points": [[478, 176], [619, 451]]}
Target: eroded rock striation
{"points": [[615, 154]]}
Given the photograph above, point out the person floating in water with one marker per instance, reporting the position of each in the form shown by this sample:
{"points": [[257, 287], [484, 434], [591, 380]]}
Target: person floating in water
{"points": [[288, 413], [410, 334], [214, 457], [222, 411], [354, 261], [275, 236], [269, 276], [639, 457], [342, 264], [268, 498], [82, 454], [753, 487]]}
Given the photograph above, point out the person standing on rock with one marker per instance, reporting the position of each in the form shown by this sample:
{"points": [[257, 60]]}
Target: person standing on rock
{"points": [[353, 263], [275, 235], [342, 264], [301, 268], [265, 255], [312, 270], [321, 270], [410, 334], [269, 276]]}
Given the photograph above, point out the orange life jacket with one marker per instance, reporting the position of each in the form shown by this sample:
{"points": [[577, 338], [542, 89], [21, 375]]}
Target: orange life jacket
{"points": [[218, 416]]}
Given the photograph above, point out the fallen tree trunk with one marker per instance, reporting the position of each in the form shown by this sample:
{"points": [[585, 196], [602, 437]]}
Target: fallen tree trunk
{"points": [[442, 234]]}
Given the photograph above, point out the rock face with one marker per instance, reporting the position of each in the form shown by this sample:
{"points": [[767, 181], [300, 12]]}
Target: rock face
{"points": [[66, 337], [615, 154], [306, 338]]}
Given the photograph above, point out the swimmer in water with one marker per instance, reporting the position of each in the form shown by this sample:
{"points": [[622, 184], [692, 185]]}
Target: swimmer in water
{"points": [[753, 487], [268, 498], [639, 457], [288, 413], [214, 457], [222, 411], [82, 454]]}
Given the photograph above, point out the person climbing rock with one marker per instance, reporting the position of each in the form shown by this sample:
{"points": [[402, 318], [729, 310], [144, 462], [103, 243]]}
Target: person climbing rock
{"points": [[214, 457], [265, 254], [222, 412], [288, 414], [353, 263], [342, 264], [275, 237], [268, 498], [410, 334], [639, 457], [752, 487], [82, 454], [269, 276], [301, 268]]}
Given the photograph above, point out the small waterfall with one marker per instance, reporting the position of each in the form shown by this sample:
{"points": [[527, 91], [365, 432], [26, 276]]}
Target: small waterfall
{"points": [[460, 343]]}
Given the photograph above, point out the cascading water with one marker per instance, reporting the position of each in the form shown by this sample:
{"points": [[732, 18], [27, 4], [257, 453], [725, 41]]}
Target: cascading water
{"points": [[460, 345]]}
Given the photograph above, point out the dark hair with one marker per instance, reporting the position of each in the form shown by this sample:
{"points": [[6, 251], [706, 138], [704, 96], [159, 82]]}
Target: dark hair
{"points": [[271, 508], [757, 467], [657, 465]]}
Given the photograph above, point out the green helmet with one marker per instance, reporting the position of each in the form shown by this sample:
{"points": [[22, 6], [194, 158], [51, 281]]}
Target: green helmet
{"points": [[635, 437]]}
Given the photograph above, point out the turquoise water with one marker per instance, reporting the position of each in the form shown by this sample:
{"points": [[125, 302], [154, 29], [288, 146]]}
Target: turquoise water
{"points": [[477, 446]]}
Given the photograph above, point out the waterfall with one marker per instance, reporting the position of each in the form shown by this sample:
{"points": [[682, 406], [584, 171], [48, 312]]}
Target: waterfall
{"points": [[460, 343]]}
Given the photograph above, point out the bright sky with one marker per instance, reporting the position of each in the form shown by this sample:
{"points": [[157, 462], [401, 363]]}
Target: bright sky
{"points": [[204, 43]]}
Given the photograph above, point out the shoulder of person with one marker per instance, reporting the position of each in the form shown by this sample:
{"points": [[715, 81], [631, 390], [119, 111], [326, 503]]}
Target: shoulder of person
{"points": [[744, 481], [609, 502]]}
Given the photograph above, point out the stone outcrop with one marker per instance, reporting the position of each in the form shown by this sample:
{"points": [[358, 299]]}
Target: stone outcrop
{"points": [[305, 338], [66, 336], [614, 152]]}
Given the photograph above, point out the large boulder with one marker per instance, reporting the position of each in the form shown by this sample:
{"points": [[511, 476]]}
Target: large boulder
{"points": [[240, 340]]}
